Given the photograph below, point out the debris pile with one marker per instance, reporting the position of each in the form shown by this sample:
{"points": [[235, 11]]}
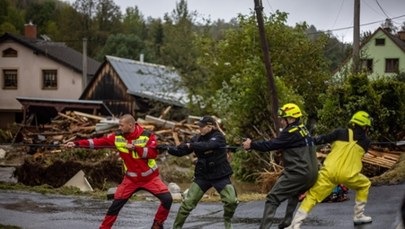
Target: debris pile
{"points": [[74, 125], [48, 165]]}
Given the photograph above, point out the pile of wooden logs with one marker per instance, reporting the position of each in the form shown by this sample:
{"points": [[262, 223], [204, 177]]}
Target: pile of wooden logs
{"points": [[73, 125], [383, 159]]}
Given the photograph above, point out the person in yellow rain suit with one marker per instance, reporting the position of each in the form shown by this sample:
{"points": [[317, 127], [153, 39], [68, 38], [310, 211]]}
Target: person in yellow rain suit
{"points": [[341, 166]]}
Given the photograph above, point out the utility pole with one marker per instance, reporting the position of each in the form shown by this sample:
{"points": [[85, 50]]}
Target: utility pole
{"points": [[84, 64], [267, 63], [356, 37]]}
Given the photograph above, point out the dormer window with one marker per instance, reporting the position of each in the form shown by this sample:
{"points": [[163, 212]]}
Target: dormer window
{"points": [[379, 42], [10, 52]]}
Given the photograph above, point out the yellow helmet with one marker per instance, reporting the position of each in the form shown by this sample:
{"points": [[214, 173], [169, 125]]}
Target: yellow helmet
{"points": [[361, 118], [289, 110]]}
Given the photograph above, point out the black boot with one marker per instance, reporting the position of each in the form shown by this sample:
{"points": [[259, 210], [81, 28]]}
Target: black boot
{"points": [[157, 225], [268, 215], [289, 213]]}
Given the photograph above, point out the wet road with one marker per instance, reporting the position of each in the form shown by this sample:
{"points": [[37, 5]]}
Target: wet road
{"points": [[33, 210]]}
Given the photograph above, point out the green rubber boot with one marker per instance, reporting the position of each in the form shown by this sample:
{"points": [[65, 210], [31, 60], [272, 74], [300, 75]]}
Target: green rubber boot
{"points": [[289, 213], [228, 197], [191, 200]]}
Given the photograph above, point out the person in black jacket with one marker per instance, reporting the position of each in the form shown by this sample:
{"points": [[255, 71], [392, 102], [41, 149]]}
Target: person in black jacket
{"points": [[300, 164], [212, 169]]}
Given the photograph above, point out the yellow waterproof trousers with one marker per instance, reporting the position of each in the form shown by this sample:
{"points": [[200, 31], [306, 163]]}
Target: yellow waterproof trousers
{"points": [[342, 166]]}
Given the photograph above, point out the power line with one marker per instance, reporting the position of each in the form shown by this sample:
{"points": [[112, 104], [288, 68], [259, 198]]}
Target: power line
{"points": [[381, 8], [337, 16], [370, 23]]}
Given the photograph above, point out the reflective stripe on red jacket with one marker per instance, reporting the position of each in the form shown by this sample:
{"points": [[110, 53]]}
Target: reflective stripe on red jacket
{"points": [[139, 163]]}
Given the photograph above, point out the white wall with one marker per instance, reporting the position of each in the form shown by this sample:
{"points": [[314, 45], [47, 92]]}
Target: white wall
{"points": [[30, 66]]}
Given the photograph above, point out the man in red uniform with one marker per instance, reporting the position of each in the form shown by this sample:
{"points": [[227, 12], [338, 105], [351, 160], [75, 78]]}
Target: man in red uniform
{"points": [[137, 148]]}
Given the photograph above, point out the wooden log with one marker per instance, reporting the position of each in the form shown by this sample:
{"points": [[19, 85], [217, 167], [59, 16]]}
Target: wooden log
{"points": [[165, 112], [160, 122], [95, 117], [191, 119], [164, 131], [176, 138], [70, 118]]}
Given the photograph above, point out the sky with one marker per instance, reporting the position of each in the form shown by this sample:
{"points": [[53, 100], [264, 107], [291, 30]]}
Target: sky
{"points": [[332, 15]]}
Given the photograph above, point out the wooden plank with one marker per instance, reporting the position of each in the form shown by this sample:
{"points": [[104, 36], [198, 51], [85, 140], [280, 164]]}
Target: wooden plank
{"points": [[68, 117], [164, 131], [95, 117], [176, 138], [191, 119], [165, 112]]}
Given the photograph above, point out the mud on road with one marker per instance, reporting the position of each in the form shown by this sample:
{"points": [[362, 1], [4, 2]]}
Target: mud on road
{"points": [[33, 210]]}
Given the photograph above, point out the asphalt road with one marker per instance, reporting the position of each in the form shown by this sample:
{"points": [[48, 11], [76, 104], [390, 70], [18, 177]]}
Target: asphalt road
{"points": [[33, 210]]}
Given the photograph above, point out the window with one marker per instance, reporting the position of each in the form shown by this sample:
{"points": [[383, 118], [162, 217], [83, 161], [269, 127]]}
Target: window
{"points": [[50, 79], [10, 53], [379, 42], [10, 78], [367, 64], [392, 65]]}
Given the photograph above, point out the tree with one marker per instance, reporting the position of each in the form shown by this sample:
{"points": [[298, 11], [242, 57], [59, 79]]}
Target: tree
{"points": [[134, 22], [382, 99], [234, 84], [40, 14], [178, 49], [122, 45]]}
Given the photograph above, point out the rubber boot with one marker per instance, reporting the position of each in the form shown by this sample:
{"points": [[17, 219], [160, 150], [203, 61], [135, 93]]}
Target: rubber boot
{"points": [[289, 213], [298, 219], [268, 215], [359, 217], [157, 225], [193, 195], [108, 221], [228, 197]]}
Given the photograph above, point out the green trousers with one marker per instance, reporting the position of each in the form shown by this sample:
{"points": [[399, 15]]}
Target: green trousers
{"points": [[194, 195]]}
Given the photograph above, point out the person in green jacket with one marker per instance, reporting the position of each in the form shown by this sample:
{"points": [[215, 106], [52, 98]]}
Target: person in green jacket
{"points": [[300, 164]]}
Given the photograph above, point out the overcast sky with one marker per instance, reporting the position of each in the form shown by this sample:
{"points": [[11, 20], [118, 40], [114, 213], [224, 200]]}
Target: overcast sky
{"points": [[323, 14]]}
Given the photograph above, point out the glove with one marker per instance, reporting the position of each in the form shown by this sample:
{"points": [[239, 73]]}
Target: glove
{"points": [[171, 149], [183, 146], [162, 147]]}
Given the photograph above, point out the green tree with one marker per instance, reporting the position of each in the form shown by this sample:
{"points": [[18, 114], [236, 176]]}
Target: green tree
{"points": [[154, 40], [8, 27], [121, 45], [235, 82], [382, 99], [178, 49], [40, 14], [134, 23]]}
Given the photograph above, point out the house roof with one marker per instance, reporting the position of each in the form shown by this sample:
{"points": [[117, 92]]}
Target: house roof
{"points": [[149, 80], [57, 51], [46, 103], [395, 39]]}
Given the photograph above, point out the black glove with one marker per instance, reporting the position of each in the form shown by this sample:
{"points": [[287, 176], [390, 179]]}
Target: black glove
{"points": [[183, 146], [162, 147], [171, 149]]}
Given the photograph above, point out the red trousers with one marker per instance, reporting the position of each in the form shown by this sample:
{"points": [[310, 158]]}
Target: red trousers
{"points": [[128, 187]]}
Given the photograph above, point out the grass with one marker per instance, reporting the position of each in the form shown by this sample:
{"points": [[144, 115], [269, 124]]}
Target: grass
{"points": [[9, 227]]}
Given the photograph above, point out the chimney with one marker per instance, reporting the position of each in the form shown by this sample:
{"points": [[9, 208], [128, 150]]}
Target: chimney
{"points": [[401, 35], [30, 30]]}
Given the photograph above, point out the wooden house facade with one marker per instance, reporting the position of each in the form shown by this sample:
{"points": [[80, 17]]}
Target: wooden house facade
{"points": [[134, 87]]}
